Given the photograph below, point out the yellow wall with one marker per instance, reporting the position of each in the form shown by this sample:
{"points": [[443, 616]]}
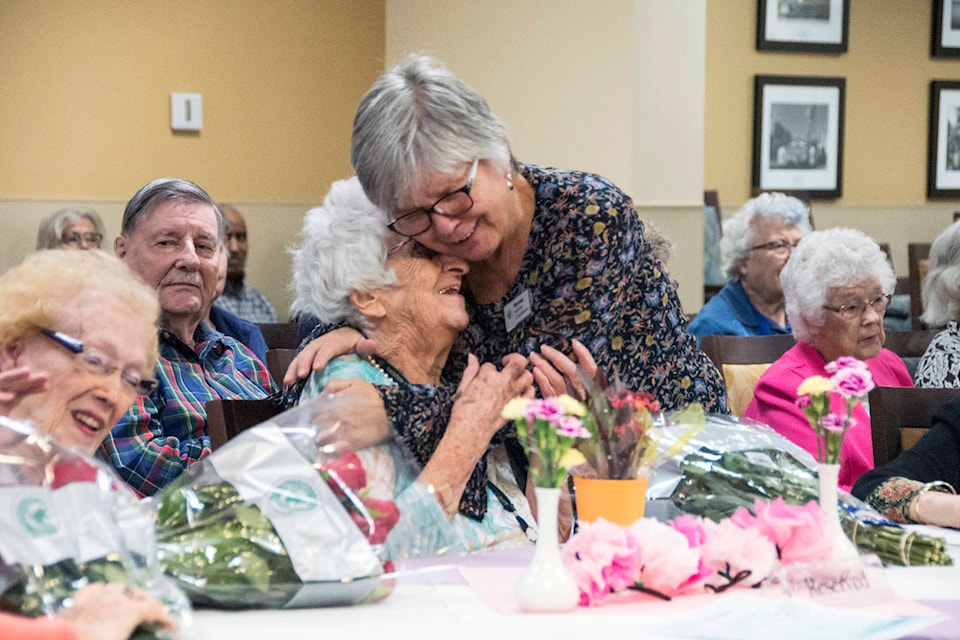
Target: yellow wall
{"points": [[85, 108], [888, 69]]}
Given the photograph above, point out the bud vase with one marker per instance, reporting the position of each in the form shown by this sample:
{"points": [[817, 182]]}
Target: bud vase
{"points": [[546, 585], [843, 548]]}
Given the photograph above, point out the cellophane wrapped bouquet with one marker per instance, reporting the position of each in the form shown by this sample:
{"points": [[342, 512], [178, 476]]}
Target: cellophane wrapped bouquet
{"points": [[71, 521], [287, 514]]}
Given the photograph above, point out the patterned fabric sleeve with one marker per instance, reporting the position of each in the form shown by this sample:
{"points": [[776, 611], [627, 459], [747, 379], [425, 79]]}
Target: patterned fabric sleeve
{"points": [[940, 365], [892, 498]]}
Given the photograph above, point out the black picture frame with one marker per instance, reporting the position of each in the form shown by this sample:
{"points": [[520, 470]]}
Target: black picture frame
{"points": [[945, 31], [943, 140], [817, 26], [798, 135]]}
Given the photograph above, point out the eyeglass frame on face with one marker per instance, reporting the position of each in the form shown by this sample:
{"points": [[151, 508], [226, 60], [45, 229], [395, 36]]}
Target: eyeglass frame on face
{"points": [[855, 311], [94, 238], [777, 246], [99, 364], [432, 209]]}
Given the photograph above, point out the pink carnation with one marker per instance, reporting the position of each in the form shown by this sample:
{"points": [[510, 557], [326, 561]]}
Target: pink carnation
{"points": [[804, 401], [845, 362], [799, 533], [571, 427], [692, 527], [852, 382], [834, 422], [603, 557]]}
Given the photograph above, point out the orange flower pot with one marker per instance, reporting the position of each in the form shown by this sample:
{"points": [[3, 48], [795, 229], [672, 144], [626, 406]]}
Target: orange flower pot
{"points": [[619, 501]]}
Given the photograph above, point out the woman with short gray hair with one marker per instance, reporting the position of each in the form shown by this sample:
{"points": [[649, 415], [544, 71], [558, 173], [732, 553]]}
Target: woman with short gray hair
{"points": [[756, 243], [73, 228], [940, 364], [837, 285], [555, 256]]}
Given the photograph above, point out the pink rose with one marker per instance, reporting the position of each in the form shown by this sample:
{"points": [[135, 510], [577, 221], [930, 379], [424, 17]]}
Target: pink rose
{"points": [[603, 557], [852, 382], [797, 531]]}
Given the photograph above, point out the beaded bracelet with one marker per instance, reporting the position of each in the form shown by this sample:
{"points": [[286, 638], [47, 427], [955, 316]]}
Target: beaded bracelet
{"points": [[937, 485]]}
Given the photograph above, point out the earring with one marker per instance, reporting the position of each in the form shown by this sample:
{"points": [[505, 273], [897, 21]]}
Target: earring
{"points": [[510, 180]]}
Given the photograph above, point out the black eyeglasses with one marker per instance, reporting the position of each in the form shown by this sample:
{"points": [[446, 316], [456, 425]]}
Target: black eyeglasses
{"points": [[99, 364], [413, 223], [779, 246], [853, 311], [82, 238]]}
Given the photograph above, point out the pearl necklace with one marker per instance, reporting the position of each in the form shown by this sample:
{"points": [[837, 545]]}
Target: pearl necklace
{"points": [[376, 365]]}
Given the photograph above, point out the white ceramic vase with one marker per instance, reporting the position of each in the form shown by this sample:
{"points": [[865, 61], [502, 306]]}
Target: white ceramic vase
{"points": [[546, 585], [843, 548]]}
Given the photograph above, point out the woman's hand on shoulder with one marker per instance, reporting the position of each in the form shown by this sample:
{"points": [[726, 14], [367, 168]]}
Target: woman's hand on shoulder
{"points": [[555, 373], [316, 354]]}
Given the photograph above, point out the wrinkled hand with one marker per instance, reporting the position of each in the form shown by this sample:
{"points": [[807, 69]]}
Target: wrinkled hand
{"points": [[19, 382], [351, 414], [317, 354], [484, 390], [112, 611], [555, 373]]}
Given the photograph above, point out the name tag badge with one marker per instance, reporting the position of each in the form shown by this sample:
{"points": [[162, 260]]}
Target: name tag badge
{"points": [[517, 310]]}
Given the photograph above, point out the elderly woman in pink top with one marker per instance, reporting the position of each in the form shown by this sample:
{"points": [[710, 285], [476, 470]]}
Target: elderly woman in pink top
{"points": [[837, 285]]}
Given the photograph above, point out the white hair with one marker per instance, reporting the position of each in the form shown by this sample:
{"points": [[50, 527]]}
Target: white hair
{"points": [[941, 287], [343, 248], [737, 239], [825, 260]]}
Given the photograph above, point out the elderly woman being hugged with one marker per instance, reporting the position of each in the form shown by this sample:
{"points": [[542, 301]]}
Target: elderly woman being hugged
{"points": [[471, 489], [837, 285]]}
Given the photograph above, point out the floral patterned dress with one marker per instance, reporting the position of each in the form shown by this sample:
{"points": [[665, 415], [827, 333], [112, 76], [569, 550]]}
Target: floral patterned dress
{"points": [[940, 365], [588, 273]]}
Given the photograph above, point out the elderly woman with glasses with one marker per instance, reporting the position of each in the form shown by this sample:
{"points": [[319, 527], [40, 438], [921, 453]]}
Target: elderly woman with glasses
{"points": [[73, 228], [756, 243], [837, 285], [471, 491], [78, 342], [554, 255]]}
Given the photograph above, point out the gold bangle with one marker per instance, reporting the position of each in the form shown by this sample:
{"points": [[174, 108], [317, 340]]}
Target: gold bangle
{"points": [[937, 485]]}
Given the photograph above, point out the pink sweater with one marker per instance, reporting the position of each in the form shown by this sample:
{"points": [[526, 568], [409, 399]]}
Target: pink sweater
{"points": [[774, 403]]}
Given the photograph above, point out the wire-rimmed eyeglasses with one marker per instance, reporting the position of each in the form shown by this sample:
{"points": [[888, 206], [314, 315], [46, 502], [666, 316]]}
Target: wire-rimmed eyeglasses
{"points": [[853, 311], [99, 364]]}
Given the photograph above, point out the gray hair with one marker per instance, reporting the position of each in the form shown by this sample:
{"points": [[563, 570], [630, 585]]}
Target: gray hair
{"points": [[50, 233], [153, 194], [941, 287], [343, 248], [418, 119], [824, 260], [737, 239]]}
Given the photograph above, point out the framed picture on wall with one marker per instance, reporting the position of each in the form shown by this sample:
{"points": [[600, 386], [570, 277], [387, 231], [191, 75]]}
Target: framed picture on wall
{"points": [[803, 25], [943, 160], [945, 34], [798, 135]]}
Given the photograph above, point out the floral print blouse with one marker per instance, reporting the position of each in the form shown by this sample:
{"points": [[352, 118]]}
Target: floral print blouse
{"points": [[940, 365]]}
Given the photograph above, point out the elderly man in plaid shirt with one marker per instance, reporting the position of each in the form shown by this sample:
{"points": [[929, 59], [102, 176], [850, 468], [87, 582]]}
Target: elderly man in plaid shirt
{"points": [[171, 235]]}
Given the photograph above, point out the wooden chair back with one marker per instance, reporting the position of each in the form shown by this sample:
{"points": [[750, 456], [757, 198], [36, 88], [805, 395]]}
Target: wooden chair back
{"points": [[899, 416], [227, 418], [279, 335], [909, 345], [741, 361], [918, 254], [277, 362]]}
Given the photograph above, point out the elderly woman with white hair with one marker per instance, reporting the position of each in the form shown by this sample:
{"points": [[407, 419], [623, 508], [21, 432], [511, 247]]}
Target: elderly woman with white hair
{"points": [[940, 364], [837, 285], [71, 228], [756, 243], [351, 269]]}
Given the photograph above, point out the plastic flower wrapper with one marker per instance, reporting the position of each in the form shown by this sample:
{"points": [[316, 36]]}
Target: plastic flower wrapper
{"points": [[72, 521], [734, 462], [623, 434], [291, 513]]}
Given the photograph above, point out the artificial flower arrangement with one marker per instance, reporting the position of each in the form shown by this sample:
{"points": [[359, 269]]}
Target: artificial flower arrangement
{"points": [[623, 438], [690, 554], [849, 379], [548, 430], [274, 519]]}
